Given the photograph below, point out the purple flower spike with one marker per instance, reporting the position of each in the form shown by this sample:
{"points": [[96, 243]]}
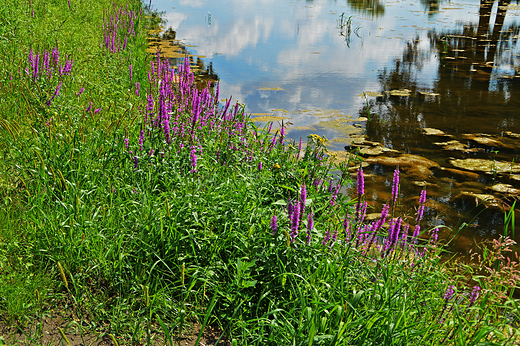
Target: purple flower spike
{"points": [[449, 293], [395, 185], [290, 208], [141, 140], [360, 183], [55, 56], [80, 91], [127, 142], [295, 222], [274, 225], [260, 165], [474, 295], [193, 159], [435, 236], [420, 211], [97, 111], [136, 162], [89, 107], [130, 69], [303, 198]]}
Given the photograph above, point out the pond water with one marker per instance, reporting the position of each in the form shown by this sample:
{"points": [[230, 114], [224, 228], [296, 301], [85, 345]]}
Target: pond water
{"points": [[430, 85]]}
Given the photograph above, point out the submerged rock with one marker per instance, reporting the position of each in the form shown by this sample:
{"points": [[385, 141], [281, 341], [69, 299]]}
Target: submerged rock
{"points": [[457, 146], [417, 167], [429, 131], [489, 141], [488, 166], [489, 201], [512, 134], [458, 174], [505, 188]]}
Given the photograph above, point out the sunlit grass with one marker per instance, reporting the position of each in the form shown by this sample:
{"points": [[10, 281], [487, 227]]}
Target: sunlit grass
{"points": [[138, 202]]}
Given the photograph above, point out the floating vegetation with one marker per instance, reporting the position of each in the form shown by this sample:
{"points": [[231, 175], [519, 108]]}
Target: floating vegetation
{"points": [[488, 166], [268, 118], [429, 131]]}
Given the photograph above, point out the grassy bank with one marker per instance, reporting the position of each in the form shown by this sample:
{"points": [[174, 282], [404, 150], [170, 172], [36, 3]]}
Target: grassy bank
{"points": [[135, 205]]}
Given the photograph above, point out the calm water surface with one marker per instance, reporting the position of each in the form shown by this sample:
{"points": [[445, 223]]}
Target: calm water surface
{"points": [[380, 71]]}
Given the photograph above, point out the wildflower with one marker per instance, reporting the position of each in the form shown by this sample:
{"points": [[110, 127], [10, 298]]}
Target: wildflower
{"points": [[303, 197], [360, 182], [290, 208], [260, 165], [137, 87], [193, 158], [435, 236], [127, 141], [449, 293], [97, 111], [141, 140], [89, 107], [130, 68], [55, 56], [326, 238], [282, 134], [474, 295], [395, 185], [136, 162], [295, 221], [420, 211], [274, 225], [80, 91]]}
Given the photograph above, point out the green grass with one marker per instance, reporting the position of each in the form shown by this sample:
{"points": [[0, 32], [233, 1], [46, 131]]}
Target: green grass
{"points": [[135, 238]]}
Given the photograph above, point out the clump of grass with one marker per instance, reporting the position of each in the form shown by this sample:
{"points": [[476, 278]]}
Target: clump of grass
{"points": [[167, 208]]}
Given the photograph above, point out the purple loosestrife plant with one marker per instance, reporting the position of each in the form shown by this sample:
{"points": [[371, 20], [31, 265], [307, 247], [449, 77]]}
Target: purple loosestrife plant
{"points": [[420, 211], [295, 222], [290, 209], [395, 186], [326, 239], [303, 198], [474, 295], [274, 225], [141, 140], [435, 236], [449, 293], [193, 159]]}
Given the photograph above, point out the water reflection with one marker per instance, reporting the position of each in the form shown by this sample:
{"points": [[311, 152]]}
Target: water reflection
{"points": [[289, 58], [473, 100]]}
